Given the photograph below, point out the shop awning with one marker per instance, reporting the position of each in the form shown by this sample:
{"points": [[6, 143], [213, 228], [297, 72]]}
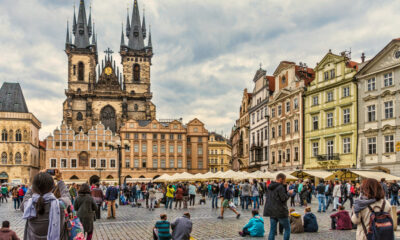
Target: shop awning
{"points": [[378, 175], [319, 174]]}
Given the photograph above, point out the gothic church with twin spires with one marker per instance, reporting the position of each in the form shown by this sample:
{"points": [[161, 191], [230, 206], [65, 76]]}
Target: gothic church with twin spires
{"points": [[99, 92]]}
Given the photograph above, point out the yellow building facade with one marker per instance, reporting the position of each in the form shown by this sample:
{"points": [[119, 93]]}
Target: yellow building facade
{"points": [[330, 114], [219, 153]]}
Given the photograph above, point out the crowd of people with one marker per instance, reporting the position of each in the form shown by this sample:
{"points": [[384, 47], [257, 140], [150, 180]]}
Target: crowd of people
{"points": [[44, 203]]}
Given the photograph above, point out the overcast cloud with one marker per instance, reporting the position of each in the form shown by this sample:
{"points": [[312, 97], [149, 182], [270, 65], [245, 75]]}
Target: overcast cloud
{"points": [[206, 52]]}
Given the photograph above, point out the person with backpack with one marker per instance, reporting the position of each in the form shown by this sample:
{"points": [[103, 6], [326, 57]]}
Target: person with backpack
{"points": [[246, 188], [42, 211], [214, 194], [255, 194], [336, 194], [111, 197], [328, 193], [394, 193], [85, 206], [98, 197], [321, 196], [370, 206]]}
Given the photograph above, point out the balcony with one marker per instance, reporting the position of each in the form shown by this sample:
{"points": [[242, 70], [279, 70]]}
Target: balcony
{"points": [[328, 157]]}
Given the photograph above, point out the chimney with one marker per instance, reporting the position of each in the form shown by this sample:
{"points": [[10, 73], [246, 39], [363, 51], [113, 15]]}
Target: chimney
{"points": [[362, 57]]}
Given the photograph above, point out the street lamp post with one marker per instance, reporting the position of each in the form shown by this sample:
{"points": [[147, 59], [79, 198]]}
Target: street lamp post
{"points": [[119, 146]]}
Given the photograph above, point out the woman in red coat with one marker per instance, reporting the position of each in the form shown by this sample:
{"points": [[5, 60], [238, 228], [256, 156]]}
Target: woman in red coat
{"points": [[341, 220], [179, 196]]}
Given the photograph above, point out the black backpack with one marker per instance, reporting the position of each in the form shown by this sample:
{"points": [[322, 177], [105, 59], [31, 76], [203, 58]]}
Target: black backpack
{"points": [[380, 225]]}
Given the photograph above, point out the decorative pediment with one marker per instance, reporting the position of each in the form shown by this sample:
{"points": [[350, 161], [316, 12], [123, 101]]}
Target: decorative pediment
{"points": [[281, 94], [328, 58], [109, 78], [282, 66], [370, 132], [388, 128], [388, 93], [370, 97]]}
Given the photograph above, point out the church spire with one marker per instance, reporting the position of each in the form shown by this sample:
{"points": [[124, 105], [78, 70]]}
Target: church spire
{"points": [[128, 25], [149, 44], [90, 21], [136, 41], [74, 22], [122, 35], [82, 30], [144, 26], [67, 38], [94, 35]]}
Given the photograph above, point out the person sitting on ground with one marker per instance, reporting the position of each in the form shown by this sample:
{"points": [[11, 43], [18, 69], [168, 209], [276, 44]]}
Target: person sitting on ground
{"points": [[296, 224], [6, 233], [310, 221], [182, 227], [341, 220], [255, 227], [161, 229]]}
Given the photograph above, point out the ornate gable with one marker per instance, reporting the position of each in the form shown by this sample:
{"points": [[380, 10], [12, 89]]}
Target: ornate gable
{"points": [[108, 79], [329, 58]]}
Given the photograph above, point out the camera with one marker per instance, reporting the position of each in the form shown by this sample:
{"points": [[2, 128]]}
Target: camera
{"points": [[52, 172]]}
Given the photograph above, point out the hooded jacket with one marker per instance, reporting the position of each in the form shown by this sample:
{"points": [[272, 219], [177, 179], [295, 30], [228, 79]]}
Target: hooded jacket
{"points": [[343, 220], [296, 224], [276, 202], [310, 222], [85, 206], [256, 226]]}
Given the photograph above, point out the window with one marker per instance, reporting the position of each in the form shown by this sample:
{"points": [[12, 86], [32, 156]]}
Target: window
{"points": [[273, 157], [265, 133], [171, 148], [329, 97], [253, 116], [155, 148], [155, 163], [180, 137], [103, 163], [144, 147], [154, 135], [53, 163], [81, 71], [326, 75], [346, 115], [171, 136], [162, 136], [144, 163], [179, 149], [200, 139], [372, 145], [296, 125], [272, 112], [222, 161], [171, 163], [332, 71], [287, 127], [296, 154], [389, 109], [4, 158], [288, 155], [163, 163], [18, 159], [287, 106], [4, 135], [329, 119], [200, 163], [93, 163], [63, 163], [371, 113], [315, 148], [279, 130], [389, 144], [135, 136], [127, 163], [283, 79], [279, 110], [388, 80], [162, 148], [188, 150], [346, 91], [112, 163], [79, 116], [73, 163], [136, 73], [136, 147], [273, 132], [295, 103], [144, 136], [315, 122], [179, 163], [315, 100], [329, 147], [136, 163], [18, 136], [371, 84], [279, 156], [254, 138], [200, 150], [346, 145]]}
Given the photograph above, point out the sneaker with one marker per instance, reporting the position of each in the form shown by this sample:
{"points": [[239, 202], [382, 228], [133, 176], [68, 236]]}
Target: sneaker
{"points": [[220, 217], [241, 233], [238, 216]]}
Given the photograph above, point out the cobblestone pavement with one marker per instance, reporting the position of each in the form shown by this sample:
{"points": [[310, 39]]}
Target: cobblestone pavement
{"points": [[137, 223]]}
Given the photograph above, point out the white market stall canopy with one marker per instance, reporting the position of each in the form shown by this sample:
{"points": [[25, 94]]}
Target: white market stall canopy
{"points": [[314, 173], [287, 174], [378, 175], [135, 180]]}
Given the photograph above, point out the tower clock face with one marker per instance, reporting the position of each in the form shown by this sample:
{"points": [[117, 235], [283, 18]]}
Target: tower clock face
{"points": [[108, 71]]}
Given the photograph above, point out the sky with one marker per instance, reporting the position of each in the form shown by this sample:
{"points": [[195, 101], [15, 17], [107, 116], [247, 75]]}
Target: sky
{"points": [[206, 52]]}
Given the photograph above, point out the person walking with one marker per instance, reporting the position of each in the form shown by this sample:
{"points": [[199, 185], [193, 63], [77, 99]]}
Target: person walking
{"points": [[178, 196], [384, 187], [328, 193], [152, 197], [111, 197], [6, 233], [214, 195], [394, 193], [292, 186], [336, 194], [4, 192], [14, 192], [85, 206], [185, 196], [255, 194], [276, 206], [227, 201], [43, 211], [192, 194], [321, 196], [170, 196], [98, 197], [182, 227], [246, 188]]}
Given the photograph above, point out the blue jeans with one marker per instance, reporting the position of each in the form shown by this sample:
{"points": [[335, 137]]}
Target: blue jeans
{"points": [[246, 201], [284, 223], [169, 201], [321, 202], [328, 200], [138, 194], [214, 201], [395, 200], [236, 201], [256, 202], [16, 203]]}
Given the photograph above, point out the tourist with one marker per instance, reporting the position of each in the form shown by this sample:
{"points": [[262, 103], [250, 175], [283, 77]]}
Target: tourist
{"points": [[43, 211], [152, 197], [72, 192], [276, 206], [328, 193], [344, 191], [214, 194], [98, 197], [255, 194], [182, 227], [111, 197], [85, 206], [341, 220], [336, 194], [227, 198], [246, 188], [4, 192], [133, 195], [304, 193], [14, 192], [310, 221], [255, 227], [321, 196], [292, 186], [384, 187], [296, 224], [236, 192], [372, 196], [178, 196], [192, 194], [6, 233], [185, 196], [170, 196], [161, 229], [394, 193]]}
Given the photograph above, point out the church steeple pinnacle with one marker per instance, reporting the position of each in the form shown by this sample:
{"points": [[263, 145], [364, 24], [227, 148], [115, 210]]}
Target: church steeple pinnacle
{"points": [[150, 44], [122, 35], [144, 26], [90, 21], [82, 32], [128, 25], [74, 23], [67, 37], [94, 35], [136, 40]]}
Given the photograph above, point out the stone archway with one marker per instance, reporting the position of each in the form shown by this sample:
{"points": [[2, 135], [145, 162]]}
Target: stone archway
{"points": [[108, 118], [156, 176], [3, 177], [94, 179]]}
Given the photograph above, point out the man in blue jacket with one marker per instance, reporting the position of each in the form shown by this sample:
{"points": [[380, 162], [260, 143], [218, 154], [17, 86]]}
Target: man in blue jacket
{"points": [[255, 227], [111, 196]]}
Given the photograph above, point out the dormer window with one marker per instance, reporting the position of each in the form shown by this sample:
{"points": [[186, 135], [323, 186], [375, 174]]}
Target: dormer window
{"points": [[283, 80]]}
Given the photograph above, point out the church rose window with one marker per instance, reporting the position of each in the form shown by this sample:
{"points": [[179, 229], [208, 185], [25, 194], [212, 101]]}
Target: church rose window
{"points": [[136, 73], [81, 71]]}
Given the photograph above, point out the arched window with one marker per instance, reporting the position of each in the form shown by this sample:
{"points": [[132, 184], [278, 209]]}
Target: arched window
{"points": [[80, 129], [136, 107], [18, 158], [81, 71], [136, 73], [25, 135], [10, 134], [79, 116], [4, 158], [79, 91], [18, 136], [4, 135]]}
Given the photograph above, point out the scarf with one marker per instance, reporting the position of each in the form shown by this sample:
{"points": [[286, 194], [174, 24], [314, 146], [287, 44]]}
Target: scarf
{"points": [[54, 216], [361, 203]]}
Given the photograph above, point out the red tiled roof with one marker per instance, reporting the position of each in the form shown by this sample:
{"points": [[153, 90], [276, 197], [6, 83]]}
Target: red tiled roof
{"points": [[352, 64], [308, 78], [271, 82], [42, 144]]}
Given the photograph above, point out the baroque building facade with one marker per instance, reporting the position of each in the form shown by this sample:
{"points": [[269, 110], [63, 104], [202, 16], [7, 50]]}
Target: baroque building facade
{"points": [[286, 115], [378, 109], [219, 153], [19, 145], [330, 114], [259, 121]]}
